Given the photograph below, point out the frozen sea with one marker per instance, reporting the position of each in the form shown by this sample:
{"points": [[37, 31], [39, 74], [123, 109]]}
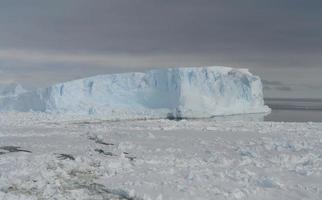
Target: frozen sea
{"points": [[277, 156]]}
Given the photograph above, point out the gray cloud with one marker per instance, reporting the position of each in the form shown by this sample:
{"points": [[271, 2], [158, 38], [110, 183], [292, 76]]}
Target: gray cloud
{"points": [[142, 26]]}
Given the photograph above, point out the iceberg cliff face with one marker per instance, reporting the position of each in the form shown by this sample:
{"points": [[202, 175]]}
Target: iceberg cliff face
{"points": [[174, 92]]}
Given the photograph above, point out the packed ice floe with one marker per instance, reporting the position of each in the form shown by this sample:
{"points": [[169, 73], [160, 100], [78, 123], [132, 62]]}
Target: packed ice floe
{"points": [[44, 158], [163, 93]]}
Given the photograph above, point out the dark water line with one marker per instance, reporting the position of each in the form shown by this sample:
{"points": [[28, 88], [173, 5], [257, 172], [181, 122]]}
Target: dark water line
{"points": [[293, 115], [293, 99], [294, 107]]}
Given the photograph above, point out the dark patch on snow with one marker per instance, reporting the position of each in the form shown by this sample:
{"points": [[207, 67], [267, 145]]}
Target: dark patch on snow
{"points": [[99, 141], [131, 158], [12, 149], [104, 143], [177, 115], [107, 153], [63, 156]]}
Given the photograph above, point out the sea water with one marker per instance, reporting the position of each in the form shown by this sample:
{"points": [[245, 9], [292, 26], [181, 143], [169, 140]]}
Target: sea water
{"points": [[294, 110]]}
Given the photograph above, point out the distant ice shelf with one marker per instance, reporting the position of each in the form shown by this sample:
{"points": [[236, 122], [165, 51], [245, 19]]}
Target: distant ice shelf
{"points": [[193, 92]]}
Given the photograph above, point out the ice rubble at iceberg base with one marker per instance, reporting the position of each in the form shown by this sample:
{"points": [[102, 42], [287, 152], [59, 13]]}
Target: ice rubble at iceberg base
{"points": [[194, 92]]}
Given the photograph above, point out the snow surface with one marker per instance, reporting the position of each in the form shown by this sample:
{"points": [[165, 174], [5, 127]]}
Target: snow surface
{"points": [[174, 92], [158, 159]]}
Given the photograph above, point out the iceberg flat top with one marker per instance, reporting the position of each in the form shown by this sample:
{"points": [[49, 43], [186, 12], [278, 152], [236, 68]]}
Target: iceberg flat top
{"points": [[191, 92]]}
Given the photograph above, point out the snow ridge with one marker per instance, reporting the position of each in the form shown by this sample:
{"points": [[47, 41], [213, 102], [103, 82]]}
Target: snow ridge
{"points": [[174, 92]]}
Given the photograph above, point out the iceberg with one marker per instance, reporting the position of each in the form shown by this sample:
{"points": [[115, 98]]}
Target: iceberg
{"points": [[190, 92], [11, 89]]}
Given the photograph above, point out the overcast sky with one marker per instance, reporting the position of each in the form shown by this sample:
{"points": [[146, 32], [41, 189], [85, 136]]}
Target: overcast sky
{"points": [[44, 42]]}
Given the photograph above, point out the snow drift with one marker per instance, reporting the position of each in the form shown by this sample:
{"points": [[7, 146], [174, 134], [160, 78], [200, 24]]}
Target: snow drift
{"points": [[173, 92]]}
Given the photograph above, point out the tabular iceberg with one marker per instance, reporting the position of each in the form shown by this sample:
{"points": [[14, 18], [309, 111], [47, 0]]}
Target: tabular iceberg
{"points": [[192, 92]]}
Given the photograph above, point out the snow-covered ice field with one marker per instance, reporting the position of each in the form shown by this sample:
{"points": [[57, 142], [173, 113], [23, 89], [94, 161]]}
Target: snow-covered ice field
{"points": [[48, 157]]}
